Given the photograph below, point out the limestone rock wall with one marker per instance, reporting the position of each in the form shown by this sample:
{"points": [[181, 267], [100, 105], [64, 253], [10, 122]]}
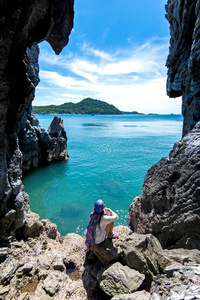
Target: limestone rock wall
{"points": [[183, 62], [22, 24], [169, 206]]}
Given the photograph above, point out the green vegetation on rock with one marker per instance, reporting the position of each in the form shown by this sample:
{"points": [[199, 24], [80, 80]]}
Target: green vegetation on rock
{"points": [[86, 106]]}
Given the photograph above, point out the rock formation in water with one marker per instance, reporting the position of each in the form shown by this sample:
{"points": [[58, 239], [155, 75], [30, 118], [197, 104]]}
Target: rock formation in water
{"points": [[21, 26], [183, 61], [41, 147]]}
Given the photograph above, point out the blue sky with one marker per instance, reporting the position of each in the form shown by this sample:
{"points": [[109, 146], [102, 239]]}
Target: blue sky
{"points": [[116, 53]]}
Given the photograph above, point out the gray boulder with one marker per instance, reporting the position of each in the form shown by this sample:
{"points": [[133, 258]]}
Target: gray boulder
{"points": [[169, 204], [180, 256], [8, 268], [138, 251], [119, 279]]}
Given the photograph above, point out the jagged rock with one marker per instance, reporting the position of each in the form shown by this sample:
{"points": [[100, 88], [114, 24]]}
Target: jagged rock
{"points": [[3, 291], [181, 256], [50, 229], [33, 66], [169, 204], [52, 283], [183, 60], [38, 146], [45, 261], [8, 268], [39, 262], [141, 295], [56, 129], [110, 250], [138, 251], [22, 25], [179, 282], [25, 269], [4, 253], [58, 263], [75, 250], [118, 279], [141, 253]]}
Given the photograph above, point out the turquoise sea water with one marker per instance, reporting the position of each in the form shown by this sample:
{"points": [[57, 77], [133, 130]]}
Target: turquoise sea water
{"points": [[109, 157]]}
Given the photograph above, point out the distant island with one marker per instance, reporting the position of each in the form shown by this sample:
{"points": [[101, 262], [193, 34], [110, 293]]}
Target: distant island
{"points": [[131, 113], [87, 106]]}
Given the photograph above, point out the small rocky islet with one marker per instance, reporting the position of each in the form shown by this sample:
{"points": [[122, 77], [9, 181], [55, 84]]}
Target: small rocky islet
{"points": [[158, 256]]}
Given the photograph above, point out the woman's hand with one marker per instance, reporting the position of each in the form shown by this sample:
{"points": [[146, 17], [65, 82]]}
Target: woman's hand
{"points": [[107, 211]]}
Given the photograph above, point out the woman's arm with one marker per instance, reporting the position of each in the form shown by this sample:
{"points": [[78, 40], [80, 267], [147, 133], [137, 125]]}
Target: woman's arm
{"points": [[108, 216]]}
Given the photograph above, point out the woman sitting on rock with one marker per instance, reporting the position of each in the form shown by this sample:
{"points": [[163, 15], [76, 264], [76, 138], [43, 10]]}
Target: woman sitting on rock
{"points": [[100, 224]]}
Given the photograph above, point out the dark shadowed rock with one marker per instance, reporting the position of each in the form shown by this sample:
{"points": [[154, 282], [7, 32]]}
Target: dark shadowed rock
{"points": [[23, 25], [38, 146], [183, 61], [56, 129], [169, 204]]}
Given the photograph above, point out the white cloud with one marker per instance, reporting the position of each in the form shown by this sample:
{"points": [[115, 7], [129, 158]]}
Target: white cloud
{"points": [[132, 78]]}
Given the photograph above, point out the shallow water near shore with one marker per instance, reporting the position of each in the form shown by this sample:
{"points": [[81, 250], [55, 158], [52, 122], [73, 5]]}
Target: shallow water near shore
{"points": [[108, 159]]}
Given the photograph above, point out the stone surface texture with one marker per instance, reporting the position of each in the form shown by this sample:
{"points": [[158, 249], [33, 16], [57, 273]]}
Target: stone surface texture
{"points": [[45, 267], [169, 205], [23, 25], [141, 295], [183, 61], [118, 279], [49, 266], [182, 282]]}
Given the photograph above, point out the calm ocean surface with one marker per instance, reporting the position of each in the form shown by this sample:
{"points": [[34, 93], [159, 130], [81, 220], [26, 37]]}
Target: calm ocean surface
{"points": [[109, 157]]}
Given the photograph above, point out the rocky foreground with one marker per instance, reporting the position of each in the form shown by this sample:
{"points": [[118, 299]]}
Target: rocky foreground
{"points": [[134, 266]]}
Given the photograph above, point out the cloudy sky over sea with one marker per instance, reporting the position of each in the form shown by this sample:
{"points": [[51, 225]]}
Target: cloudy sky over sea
{"points": [[116, 53]]}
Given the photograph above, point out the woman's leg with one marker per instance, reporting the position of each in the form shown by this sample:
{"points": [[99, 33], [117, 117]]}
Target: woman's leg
{"points": [[109, 228]]}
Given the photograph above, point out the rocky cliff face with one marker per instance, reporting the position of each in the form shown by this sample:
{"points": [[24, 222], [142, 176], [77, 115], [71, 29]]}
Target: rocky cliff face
{"points": [[23, 24], [169, 204], [38, 146], [184, 58]]}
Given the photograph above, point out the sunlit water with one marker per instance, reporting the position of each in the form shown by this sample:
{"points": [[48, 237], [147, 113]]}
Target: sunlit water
{"points": [[109, 157]]}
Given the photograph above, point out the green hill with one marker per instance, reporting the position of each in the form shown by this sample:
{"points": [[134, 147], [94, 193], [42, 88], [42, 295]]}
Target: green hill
{"points": [[86, 106]]}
